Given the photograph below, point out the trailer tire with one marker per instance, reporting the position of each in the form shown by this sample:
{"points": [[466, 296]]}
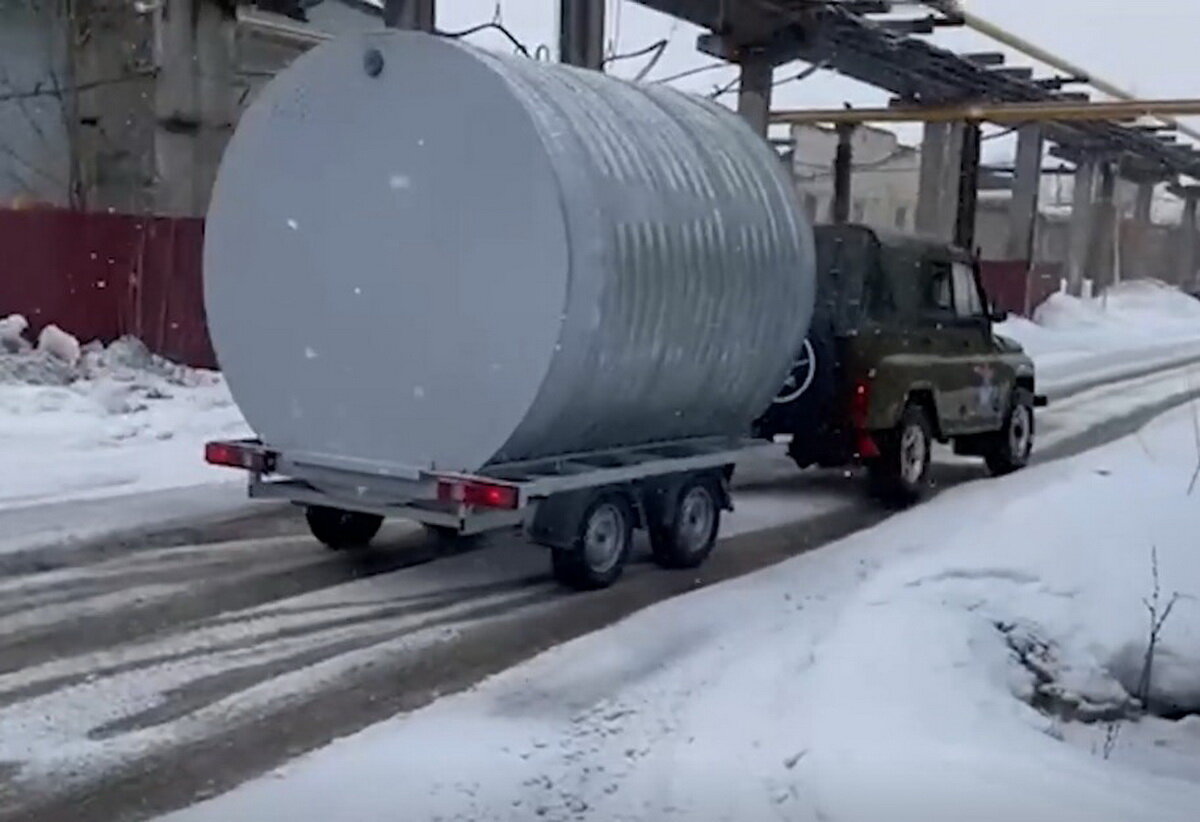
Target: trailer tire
{"points": [[339, 529], [688, 537], [597, 556]]}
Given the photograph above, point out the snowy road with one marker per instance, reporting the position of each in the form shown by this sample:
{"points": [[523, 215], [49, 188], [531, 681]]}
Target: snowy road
{"points": [[138, 675]]}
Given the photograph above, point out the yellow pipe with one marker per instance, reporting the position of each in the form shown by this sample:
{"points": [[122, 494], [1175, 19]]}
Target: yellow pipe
{"points": [[990, 29]]}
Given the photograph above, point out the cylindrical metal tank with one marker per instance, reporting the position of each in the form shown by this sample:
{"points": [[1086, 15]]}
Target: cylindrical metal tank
{"points": [[422, 255]]}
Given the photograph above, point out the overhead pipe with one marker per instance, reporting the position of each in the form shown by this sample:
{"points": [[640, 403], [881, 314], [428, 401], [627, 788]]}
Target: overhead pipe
{"points": [[990, 29]]}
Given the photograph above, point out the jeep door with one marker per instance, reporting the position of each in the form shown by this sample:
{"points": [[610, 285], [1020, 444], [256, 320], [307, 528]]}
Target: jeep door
{"points": [[988, 383]]}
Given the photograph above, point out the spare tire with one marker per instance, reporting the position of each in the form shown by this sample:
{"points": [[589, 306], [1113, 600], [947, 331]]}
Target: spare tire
{"points": [[805, 403]]}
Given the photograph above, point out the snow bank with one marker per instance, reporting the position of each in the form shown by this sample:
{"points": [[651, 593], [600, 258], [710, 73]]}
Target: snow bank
{"points": [[878, 678], [1132, 324], [86, 421]]}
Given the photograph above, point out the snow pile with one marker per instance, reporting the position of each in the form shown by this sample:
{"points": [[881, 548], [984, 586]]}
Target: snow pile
{"points": [[1132, 324], [93, 420], [894, 675]]}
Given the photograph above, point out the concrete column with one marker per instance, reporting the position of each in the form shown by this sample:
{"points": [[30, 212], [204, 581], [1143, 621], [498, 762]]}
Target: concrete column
{"points": [[1144, 204], [1027, 184], [194, 102], [1079, 244], [941, 162], [112, 130], [418, 15], [1136, 253], [1104, 221], [1188, 239], [843, 173], [581, 33], [754, 93]]}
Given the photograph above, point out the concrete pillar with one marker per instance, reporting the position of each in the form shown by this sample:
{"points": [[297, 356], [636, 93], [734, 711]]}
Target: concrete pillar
{"points": [[1027, 184], [1137, 248], [417, 15], [1144, 204], [941, 162], [843, 173], [754, 93], [1188, 239], [194, 102], [1104, 231], [581, 33], [1079, 243], [111, 124]]}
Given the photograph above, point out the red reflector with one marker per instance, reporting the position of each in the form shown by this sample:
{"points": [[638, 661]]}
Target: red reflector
{"points": [[867, 449], [478, 494], [231, 455], [860, 404]]}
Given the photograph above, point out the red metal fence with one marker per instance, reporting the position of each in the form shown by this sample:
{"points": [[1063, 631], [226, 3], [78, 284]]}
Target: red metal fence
{"points": [[1013, 286], [99, 276]]}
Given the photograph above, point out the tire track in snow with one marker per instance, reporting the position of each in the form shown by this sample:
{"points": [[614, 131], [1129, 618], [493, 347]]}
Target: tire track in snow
{"points": [[274, 647]]}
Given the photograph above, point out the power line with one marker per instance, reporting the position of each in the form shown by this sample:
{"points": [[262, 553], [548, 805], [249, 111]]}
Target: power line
{"points": [[720, 91], [670, 78], [58, 91], [500, 27]]}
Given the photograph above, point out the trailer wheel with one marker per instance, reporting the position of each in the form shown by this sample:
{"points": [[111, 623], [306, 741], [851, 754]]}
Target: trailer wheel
{"points": [[339, 529], [600, 550], [687, 539]]}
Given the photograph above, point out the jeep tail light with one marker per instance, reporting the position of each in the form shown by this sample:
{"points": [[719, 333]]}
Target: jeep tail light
{"points": [[478, 494]]}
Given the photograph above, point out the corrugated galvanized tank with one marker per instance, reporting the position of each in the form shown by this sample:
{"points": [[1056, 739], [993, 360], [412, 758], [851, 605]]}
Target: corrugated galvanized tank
{"points": [[422, 255]]}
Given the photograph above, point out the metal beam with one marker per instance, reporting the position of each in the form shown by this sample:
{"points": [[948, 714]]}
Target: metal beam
{"points": [[968, 187], [417, 15], [754, 93], [581, 33], [843, 170], [1065, 111]]}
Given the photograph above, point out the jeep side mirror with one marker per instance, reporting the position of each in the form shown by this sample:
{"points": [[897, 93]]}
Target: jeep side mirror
{"points": [[997, 315]]}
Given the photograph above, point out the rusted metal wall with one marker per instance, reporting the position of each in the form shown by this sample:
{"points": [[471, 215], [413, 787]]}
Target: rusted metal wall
{"points": [[99, 276], [1015, 287]]}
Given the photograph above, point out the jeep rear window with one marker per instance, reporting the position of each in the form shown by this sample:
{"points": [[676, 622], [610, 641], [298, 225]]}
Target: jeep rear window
{"points": [[849, 281]]}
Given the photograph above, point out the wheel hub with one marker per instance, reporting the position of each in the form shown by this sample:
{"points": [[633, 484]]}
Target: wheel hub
{"points": [[604, 540], [1020, 432], [913, 451], [696, 515]]}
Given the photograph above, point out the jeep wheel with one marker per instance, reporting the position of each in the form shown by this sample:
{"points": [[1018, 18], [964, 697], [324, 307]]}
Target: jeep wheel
{"points": [[1009, 448], [900, 474]]}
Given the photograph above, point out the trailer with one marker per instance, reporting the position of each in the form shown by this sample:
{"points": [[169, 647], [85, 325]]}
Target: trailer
{"points": [[584, 507], [484, 292]]}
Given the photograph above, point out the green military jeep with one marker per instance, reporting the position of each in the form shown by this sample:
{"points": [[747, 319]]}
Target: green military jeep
{"points": [[901, 352]]}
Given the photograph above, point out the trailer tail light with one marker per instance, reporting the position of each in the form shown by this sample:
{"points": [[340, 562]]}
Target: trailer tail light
{"points": [[237, 455], [478, 494]]}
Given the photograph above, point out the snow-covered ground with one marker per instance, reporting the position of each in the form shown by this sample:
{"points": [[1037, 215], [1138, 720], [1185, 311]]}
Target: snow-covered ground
{"points": [[103, 421], [1132, 326], [119, 422], [888, 676]]}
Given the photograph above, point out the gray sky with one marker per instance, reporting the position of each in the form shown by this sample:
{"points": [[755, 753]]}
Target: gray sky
{"points": [[1146, 46]]}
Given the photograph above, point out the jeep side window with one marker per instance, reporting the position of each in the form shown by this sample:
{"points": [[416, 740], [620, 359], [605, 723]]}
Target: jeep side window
{"points": [[939, 296], [967, 303]]}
